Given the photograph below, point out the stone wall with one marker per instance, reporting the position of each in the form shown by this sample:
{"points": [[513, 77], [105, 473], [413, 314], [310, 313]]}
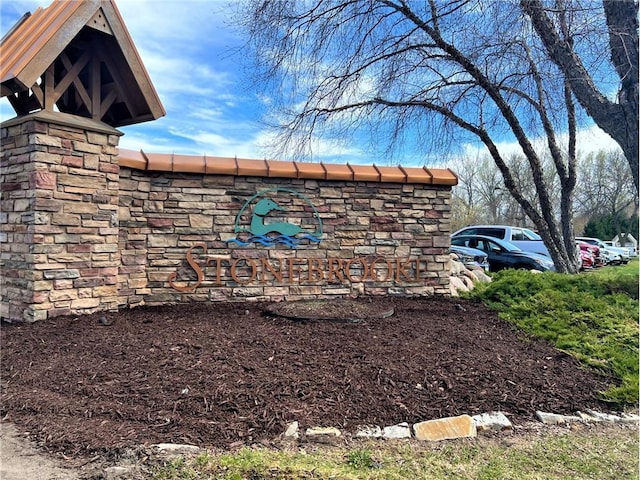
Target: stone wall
{"points": [[378, 238], [59, 224], [85, 228]]}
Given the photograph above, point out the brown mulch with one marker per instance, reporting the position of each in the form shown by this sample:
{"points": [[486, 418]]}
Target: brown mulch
{"points": [[223, 374]]}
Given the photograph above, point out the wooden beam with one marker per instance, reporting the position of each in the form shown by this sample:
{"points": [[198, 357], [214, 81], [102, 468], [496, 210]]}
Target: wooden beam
{"points": [[72, 72], [120, 83], [107, 101], [38, 94], [17, 104], [5, 91], [24, 102], [95, 91], [82, 92], [49, 89]]}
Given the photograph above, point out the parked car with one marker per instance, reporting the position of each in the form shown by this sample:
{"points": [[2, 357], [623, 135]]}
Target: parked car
{"points": [[630, 250], [471, 256], [502, 254], [610, 257], [616, 254], [523, 238], [625, 240], [587, 260], [594, 251]]}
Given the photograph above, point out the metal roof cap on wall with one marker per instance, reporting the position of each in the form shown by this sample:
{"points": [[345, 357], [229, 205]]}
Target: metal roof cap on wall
{"points": [[162, 162]]}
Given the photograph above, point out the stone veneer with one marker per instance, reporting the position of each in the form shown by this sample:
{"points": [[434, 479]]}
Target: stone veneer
{"points": [[59, 222], [163, 214], [83, 230]]}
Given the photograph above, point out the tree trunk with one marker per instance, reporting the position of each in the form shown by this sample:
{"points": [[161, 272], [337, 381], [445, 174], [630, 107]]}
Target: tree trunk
{"points": [[622, 20], [619, 120]]}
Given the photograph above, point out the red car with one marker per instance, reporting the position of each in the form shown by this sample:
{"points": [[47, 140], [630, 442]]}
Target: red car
{"points": [[593, 251], [588, 261]]}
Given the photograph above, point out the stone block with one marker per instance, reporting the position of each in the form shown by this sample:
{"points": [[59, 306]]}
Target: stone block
{"points": [[200, 221], [47, 140], [400, 430], [61, 274], [160, 222], [121, 472], [369, 431], [331, 193], [61, 295], [445, 428], [43, 180], [177, 448], [91, 162], [593, 416], [495, 421], [43, 157], [48, 205], [22, 205], [65, 219], [248, 292], [97, 138], [442, 241], [85, 303], [142, 282], [88, 184], [556, 419], [292, 431], [323, 434], [66, 132], [86, 147], [159, 240], [72, 161]]}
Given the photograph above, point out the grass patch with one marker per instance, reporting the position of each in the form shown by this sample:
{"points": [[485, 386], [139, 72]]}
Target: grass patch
{"points": [[604, 453], [592, 316]]}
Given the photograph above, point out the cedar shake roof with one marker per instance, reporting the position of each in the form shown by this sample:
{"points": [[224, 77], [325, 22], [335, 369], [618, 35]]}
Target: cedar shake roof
{"points": [[77, 56], [165, 162]]}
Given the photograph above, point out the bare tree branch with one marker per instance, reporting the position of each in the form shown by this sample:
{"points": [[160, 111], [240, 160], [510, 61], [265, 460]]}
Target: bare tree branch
{"points": [[620, 120]]}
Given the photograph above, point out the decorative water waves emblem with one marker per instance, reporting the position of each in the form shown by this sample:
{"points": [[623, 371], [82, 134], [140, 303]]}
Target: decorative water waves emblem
{"points": [[264, 231]]}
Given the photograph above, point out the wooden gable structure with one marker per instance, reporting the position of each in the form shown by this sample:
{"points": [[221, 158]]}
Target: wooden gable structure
{"points": [[77, 57]]}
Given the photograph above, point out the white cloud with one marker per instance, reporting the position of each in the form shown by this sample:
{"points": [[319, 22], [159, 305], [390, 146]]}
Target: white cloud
{"points": [[589, 140]]}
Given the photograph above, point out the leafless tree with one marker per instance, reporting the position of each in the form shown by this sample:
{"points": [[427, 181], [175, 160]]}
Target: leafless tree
{"points": [[466, 205], [463, 70], [480, 196], [605, 186]]}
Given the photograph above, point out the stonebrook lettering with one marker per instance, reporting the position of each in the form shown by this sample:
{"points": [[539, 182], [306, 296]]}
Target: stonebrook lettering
{"points": [[214, 270]]}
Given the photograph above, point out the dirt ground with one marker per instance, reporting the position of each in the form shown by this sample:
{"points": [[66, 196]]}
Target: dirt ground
{"points": [[225, 374], [20, 459]]}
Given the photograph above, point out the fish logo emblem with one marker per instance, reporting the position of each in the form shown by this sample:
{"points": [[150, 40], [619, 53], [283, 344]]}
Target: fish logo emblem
{"points": [[268, 223]]}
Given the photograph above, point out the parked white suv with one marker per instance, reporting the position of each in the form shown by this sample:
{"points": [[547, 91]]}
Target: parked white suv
{"points": [[523, 238], [630, 249]]}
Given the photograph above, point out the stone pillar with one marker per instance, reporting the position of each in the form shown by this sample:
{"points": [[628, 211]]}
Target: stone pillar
{"points": [[59, 223]]}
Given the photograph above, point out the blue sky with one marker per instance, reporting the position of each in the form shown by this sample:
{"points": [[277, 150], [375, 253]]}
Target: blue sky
{"points": [[196, 63]]}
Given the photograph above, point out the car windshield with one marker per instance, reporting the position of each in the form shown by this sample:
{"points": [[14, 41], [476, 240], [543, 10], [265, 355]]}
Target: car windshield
{"points": [[531, 235], [509, 247], [484, 244]]}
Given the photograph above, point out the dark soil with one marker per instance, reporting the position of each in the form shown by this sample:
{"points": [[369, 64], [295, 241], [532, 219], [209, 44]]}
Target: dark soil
{"points": [[216, 375]]}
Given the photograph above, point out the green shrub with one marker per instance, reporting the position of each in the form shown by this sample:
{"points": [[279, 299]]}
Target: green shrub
{"points": [[592, 316]]}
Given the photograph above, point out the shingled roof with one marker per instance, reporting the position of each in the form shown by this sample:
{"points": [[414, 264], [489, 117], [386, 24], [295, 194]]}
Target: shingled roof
{"points": [[79, 57]]}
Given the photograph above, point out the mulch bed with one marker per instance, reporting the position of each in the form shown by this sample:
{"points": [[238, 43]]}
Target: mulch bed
{"points": [[224, 374]]}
